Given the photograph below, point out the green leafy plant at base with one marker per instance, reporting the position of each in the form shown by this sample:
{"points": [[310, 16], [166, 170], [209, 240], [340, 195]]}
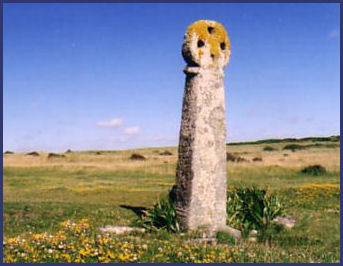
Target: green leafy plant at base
{"points": [[252, 208], [225, 238], [161, 216]]}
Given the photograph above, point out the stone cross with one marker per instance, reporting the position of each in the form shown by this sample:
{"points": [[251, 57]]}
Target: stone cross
{"points": [[201, 171]]}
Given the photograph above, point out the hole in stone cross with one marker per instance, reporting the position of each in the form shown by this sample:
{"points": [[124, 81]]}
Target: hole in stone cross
{"points": [[201, 43], [222, 46], [210, 29]]}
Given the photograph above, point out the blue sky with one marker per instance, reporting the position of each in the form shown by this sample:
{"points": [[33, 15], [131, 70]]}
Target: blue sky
{"points": [[109, 76]]}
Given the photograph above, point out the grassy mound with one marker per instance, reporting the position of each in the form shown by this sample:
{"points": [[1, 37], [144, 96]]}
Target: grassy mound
{"points": [[166, 153], [268, 148], [294, 147], [233, 158], [55, 155], [34, 153], [137, 157], [315, 170]]}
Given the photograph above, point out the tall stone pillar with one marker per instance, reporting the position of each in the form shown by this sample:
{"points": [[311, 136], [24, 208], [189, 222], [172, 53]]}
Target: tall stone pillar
{"points": [[201, 170]]}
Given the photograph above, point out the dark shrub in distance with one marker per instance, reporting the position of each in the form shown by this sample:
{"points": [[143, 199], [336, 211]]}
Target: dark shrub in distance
{"points": [[230, 157], [55, 155], [257, 159], [294, 147], [166, 153], [241, 159], [316, 170], [269, 148], [233, 158], [137, 157], [34, 153], [8, 152]]}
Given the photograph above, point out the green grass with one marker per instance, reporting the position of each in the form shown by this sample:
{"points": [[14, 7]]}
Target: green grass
{"points": [[38, 197]]}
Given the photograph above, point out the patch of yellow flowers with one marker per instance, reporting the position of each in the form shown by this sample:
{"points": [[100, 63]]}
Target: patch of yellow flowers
{"points": [[79, 242], [310, 190], [319, 186], [312, 194]]}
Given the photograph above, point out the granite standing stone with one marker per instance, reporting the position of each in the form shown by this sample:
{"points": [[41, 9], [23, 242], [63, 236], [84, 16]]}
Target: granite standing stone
{"points": [[201, 170]]}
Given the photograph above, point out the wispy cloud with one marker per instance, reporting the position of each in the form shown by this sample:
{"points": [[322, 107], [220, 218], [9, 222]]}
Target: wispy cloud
{"points": [[112, 123], [130, 131], [333, 34]]}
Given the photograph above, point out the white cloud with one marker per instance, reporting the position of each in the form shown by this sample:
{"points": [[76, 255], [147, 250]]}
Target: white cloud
{"points": [[130, 131], [333, 34], [112, 123]]}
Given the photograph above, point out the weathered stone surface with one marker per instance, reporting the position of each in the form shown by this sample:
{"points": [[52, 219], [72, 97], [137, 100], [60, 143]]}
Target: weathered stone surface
{"points": [[201, 170]]}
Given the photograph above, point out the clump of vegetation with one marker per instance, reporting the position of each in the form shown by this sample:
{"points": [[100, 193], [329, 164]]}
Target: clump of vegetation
{"points": [[248, 208], [137, 157], [34, 153], [294, 147], [314, 170], [257, 159], [233, 158], [241, 160], [252, 208], [161, 216], [268, 148], [225, 238], [166, 153], [230, 157], [55, 155], [8, 152], [68, 151]]}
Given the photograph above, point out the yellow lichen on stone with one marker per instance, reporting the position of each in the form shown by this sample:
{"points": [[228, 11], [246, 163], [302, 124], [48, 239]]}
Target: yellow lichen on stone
{"points": [[200, 53], [206, 45], [215, 38]]}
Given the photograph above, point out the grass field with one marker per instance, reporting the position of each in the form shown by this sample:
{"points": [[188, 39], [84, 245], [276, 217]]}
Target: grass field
{"points": [[88, 188]]}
